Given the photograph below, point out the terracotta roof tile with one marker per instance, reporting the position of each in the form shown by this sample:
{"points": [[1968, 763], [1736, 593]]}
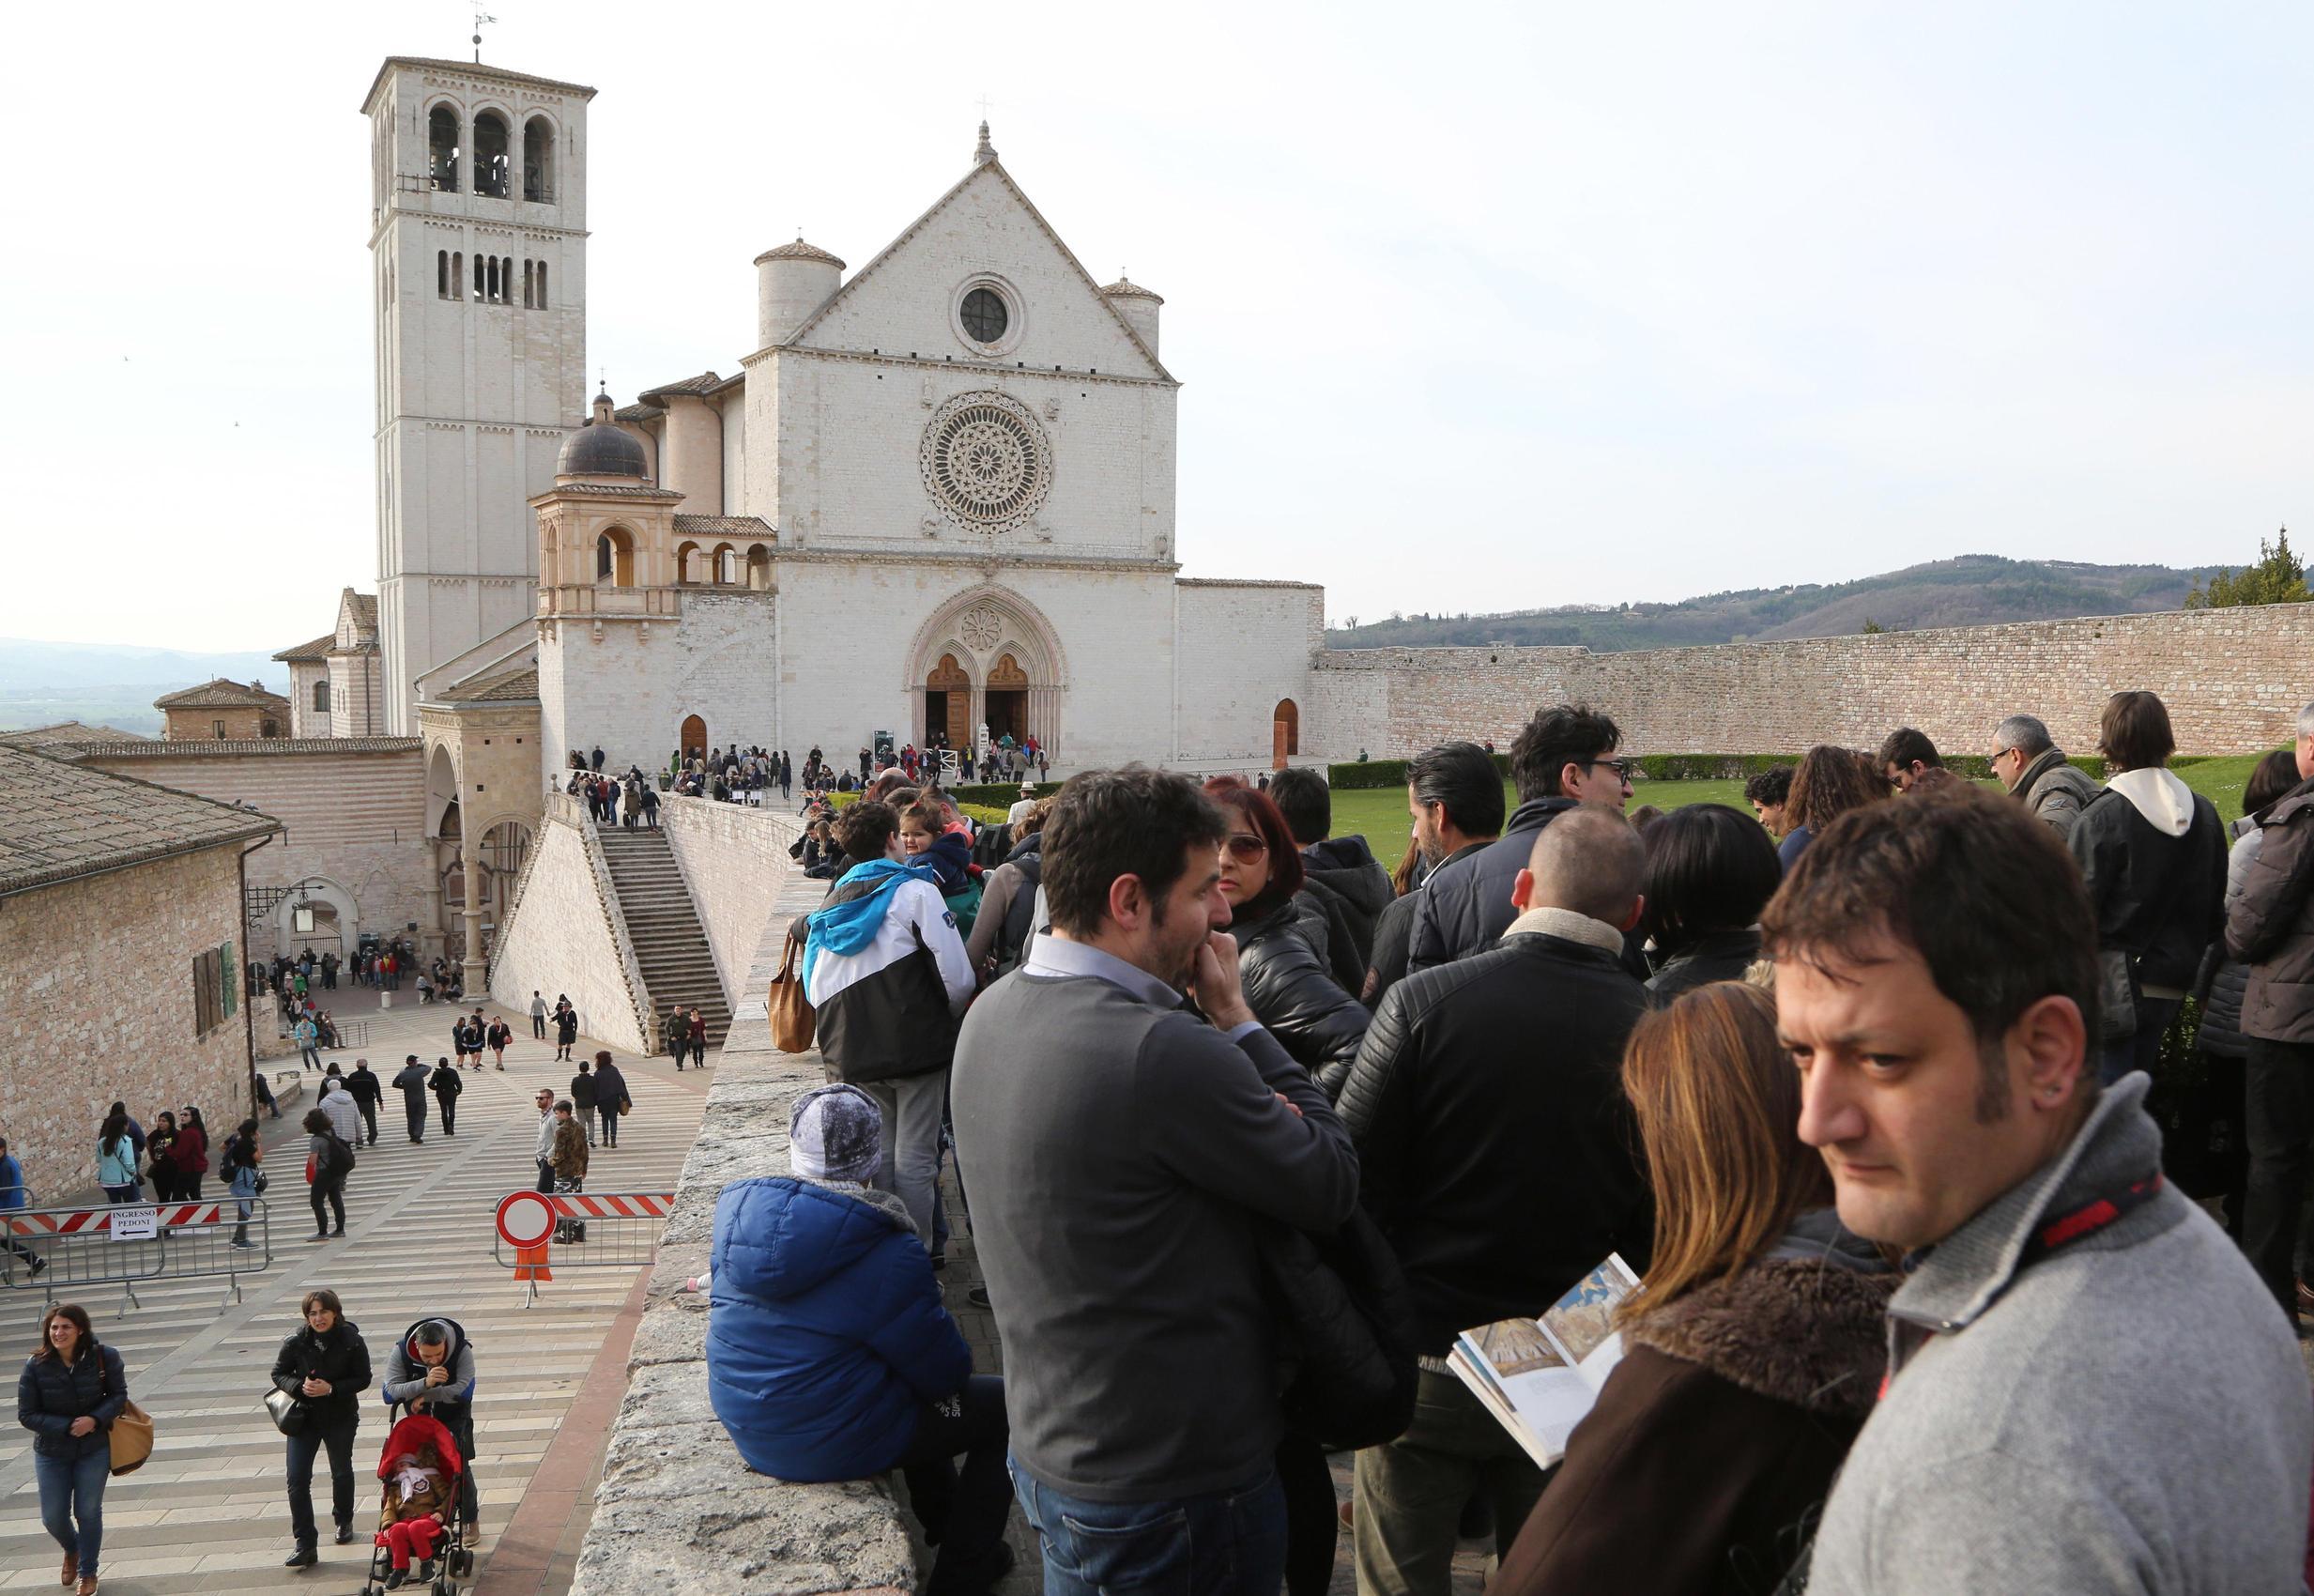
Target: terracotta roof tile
{"points": [[221, 694], [90, 820], [751, 526], [209, 748], [319, 649], [514, 687]]}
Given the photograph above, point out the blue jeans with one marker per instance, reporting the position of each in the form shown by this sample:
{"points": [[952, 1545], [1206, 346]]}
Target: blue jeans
{"points": [[71, 1489], [1222, 1543]]}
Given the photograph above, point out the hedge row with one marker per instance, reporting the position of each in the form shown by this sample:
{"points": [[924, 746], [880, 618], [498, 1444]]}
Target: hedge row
{"points": [[1368, 774], [981, 812]]}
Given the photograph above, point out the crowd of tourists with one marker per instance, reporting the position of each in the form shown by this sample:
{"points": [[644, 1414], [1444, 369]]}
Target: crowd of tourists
{"points": [[1251, 1128]]}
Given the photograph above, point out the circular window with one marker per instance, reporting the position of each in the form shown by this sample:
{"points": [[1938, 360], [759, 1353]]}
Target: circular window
{"points": [[986, 461], [984, 316]]}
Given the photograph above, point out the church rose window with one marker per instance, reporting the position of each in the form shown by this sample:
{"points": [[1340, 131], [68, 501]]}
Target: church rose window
{"points": [[986, 461], [984, 316]]}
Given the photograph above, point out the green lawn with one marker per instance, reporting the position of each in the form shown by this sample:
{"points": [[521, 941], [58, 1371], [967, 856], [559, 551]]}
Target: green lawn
{"points": [[1380, 815]]}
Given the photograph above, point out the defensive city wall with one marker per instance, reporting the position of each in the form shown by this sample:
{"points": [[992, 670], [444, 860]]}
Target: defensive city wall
{"points": [[2234, 680]]}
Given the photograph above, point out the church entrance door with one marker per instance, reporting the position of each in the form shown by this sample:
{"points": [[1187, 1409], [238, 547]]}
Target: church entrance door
{"points": [[948, 703], [693, 739], [1007, 699]]}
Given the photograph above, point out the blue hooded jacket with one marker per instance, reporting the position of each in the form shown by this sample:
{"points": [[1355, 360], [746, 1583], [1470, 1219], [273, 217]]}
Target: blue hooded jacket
{"points": [[825, 1332]]}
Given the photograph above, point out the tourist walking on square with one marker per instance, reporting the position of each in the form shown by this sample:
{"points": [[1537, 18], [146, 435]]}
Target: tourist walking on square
{"points": [[448, 1082], [335, 1099], [413, 1080], [1709, 873], [499, 1033], [1125, 1153], [543, 1152], [886, 973], [1937, 986], [567, 1157], [15, 1196], [1755, 1339], [2270, 927], [117, 1160], [329, 1161], [1289, 993], [1454, 797], [70, 1390], [190, 1159], [309, 1040], [829, 1352], [612, 1101], [325, 1364], [1565, 756], [566, 1028], [678, 1036], [244, 1181], [695, 1031], [538, 1016], [2153, 852], [431, 1369], [582, 1098], [368, 1092], [1501, 1175]]}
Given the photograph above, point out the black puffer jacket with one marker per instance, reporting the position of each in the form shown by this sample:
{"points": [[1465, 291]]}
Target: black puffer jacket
{"points": [[1292, 994], [1496, 1149], [1346, 1337], [2223, 981], [341, 1358], [52, 1393], [1466, 905], [2158, 897]]}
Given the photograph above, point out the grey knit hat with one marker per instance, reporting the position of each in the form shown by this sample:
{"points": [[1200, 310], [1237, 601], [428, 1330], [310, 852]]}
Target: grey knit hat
{"points": [[836, 1133]]}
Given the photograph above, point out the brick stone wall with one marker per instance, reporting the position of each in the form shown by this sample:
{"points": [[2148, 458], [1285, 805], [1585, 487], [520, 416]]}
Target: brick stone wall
{"points": [[734, 859], [560, 940], [120, 1004], [2234, 680]]}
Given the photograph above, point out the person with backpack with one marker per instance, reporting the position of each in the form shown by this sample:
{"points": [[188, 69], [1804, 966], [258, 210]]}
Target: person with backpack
{"points": [[1001, 931], [68, 1394], [446, 1083], [330, 1158], [413, 1082], [325, 1364], [244, 1181]]}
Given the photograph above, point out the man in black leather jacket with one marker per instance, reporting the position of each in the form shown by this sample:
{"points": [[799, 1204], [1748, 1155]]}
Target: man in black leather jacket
{"points": [[1496, 1154], [1564, 757]]}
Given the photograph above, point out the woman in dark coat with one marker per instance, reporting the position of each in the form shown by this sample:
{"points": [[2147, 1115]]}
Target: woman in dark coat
{"points": [[324, 1365], [68, 1394], [1710, 871], [566, 1030], [192, 1159], [161, 1145], [1753, 1347], [2153, 855], [1286, 984], [611, 1099]]}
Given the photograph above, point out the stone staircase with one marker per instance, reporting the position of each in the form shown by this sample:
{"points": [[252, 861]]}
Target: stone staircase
{"points": [[664, 929]]}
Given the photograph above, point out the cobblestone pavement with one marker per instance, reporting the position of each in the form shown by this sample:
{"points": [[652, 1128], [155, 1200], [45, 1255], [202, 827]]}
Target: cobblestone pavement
{"points": [[208, 1512]]}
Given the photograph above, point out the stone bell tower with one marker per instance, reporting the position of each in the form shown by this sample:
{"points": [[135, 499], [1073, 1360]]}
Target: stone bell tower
{"points": [[477, 244]]}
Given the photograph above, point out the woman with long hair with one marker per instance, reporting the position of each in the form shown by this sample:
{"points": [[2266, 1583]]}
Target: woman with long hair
{"points": [[160, 1154], [117, 1159], [192, 1159], [1752, 1349], [1710, 871], [328, 1159], [68, 1394], [1828, 783], [325, 1364], [243, 1179]]}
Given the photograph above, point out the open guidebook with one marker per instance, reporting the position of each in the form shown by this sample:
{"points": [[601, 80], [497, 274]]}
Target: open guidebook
{"points": [[1541, 1376]]}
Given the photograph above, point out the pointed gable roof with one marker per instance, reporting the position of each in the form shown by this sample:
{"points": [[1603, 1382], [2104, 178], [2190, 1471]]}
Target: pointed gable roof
{"points": [[990, 170]]}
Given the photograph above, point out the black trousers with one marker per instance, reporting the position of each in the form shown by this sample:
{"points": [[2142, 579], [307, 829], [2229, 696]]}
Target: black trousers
{"points": [[538, 1026], [447, 1102], [966, 1508], [608, 1114], [2280, 1132], [369, 1121], [414, 1109], [331, 1189], [546, 1176], [303, 1447], [1312, 1523]]}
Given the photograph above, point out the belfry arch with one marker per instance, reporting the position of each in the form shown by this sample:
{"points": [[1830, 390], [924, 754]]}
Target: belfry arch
{"points": [[1010, 660]]}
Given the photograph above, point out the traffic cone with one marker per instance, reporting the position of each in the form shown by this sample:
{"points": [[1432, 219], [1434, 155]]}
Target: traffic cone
{"points": [[530, 1264]]}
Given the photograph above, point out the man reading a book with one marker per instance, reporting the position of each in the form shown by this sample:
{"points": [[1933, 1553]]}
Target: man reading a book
{"points": [[2088, 1390]]}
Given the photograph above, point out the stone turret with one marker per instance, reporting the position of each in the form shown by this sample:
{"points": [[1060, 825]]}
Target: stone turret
{"points": [[791, 282], [1138, 305]]}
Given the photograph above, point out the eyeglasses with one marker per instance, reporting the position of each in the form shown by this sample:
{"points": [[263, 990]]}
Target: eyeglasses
{"points": [[1622, 768], [1244, 849]]}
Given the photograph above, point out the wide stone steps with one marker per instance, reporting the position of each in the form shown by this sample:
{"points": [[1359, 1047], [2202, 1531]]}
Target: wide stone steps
{"points": [[663, 927]]}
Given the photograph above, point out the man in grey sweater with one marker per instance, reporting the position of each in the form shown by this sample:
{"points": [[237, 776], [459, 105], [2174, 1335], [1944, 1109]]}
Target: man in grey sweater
{"points": [[1122, 1152], [2087, 1389]]}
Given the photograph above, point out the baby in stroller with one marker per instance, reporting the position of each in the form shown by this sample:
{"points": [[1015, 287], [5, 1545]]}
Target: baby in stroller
{"points": [[419, 1466]]}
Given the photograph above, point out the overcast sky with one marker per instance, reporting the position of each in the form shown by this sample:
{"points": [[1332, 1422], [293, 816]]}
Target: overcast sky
{"points": [[1476, 308]]}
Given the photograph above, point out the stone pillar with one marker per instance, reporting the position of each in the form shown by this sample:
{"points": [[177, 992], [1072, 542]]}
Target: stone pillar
{"points": [[430, 926], [468, 866]]}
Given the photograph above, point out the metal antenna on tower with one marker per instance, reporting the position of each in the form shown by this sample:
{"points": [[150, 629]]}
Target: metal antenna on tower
{"points": [[480, 18]]}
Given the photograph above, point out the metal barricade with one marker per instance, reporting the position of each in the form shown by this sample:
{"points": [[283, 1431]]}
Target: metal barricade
{"points": [[607, 1230], [128, 1243]]}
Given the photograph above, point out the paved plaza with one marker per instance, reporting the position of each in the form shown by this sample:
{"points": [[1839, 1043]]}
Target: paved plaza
{"points": [[209, 1513]]}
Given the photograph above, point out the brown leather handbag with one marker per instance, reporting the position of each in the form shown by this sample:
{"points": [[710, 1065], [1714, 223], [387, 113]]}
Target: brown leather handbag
{"points": [[791, 1010]]}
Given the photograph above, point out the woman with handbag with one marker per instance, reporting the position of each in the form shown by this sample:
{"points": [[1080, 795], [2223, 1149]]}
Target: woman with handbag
{"points": [[243, 1178], [68, 1394], [329, 1161], [318, 1379]]}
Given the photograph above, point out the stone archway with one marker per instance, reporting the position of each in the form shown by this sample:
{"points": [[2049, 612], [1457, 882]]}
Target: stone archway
{"points": [[336, 919], [976, 631], [948, 703]]}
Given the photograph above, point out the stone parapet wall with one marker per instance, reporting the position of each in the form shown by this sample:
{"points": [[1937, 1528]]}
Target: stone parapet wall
{"points": [[2234, 680], [564, 937], [677, 1511], [734, 859]]}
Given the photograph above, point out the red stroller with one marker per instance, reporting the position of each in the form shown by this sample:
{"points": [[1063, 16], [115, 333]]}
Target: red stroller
{"points": [[427, 1549]]}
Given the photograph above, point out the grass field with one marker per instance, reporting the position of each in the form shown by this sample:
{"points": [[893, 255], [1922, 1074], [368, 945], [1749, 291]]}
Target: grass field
{"points": [[1380, 816]]}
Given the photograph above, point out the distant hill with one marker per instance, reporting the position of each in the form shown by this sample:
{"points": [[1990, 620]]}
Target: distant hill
{"points": [[110, 683], [1971, 590]]}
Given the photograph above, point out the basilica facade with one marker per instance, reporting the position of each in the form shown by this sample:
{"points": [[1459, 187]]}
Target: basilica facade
{"points": [[935, 497]]}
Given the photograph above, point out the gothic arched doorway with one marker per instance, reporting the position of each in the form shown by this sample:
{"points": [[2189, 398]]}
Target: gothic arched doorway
{"points": [[1285, 733], [1007, 699], [948, 703], [693, 739]]}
